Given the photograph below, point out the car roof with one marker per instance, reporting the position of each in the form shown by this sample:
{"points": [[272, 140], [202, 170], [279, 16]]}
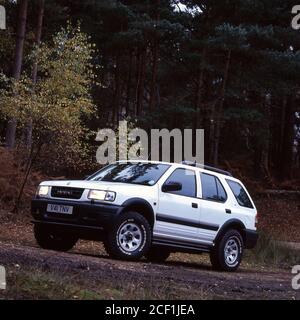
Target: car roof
{"points": [[199, 167]]}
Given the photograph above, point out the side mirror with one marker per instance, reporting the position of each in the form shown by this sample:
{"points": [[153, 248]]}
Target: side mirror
{"points": [[171, 186]]}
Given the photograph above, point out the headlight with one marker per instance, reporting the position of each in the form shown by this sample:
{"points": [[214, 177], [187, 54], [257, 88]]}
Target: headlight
{"points": [[110, 196], [42, 191], [102, 195]]}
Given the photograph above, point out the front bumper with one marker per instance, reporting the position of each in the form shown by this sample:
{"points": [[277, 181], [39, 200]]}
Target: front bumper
{"points": [[86, 215], [251, 238]]}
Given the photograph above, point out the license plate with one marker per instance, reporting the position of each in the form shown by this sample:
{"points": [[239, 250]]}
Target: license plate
{"points": [[58, 208]]}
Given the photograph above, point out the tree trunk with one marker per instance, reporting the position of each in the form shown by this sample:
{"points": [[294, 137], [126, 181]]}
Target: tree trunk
{"points": [[286, 171], [155, 59], [265, 150], [138, 78], [154, 76], [141, 82], [220, 110], [129, 82], [20, 39], [212, 127], [117, 95], [199, 92], [38, 36], [12, 123], [31, 159], [277, 132]]}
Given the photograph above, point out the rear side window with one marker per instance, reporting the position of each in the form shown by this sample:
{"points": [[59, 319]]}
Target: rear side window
{"points": [[188, 180], [212, 188], [240, 194]]}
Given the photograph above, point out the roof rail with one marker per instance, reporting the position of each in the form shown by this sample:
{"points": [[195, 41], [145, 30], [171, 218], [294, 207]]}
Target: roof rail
{"points": [[206, 167]]}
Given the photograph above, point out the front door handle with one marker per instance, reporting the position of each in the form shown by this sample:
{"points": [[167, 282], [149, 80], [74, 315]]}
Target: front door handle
{"points": [[194, 205], [228, 211]]}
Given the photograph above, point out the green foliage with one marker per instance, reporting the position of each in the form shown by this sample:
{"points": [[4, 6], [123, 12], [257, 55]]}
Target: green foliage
{"points": [[60, 100], [229, 37], [245, 115]]}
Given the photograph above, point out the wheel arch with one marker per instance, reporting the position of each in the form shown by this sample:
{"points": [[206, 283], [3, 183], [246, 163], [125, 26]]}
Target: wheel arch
{"points": [[232, 224], [141, 206]]}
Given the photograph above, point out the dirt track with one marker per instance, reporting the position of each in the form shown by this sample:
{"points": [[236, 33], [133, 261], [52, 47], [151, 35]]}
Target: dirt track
{"points": [[244, 284]]}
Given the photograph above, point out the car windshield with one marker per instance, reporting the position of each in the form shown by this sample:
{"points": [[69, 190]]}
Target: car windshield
{"points": [[135, 173]]}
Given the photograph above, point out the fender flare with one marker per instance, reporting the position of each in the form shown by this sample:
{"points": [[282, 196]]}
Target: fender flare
{"points": [[235, 224], [139, 203]]}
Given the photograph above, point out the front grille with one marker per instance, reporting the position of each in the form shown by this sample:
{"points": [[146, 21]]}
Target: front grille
{"points": [[66, 192]]}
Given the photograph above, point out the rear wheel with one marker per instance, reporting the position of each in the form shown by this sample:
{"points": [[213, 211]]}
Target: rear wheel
{"points": [[130, 237], [53, 240], [157, 254], [228, 252]]}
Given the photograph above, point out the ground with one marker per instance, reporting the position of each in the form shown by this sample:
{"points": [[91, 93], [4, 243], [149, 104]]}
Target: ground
{"points": [[280, 217], [86, 272]]}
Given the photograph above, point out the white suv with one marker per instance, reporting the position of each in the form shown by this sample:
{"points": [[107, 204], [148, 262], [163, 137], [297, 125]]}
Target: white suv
{"points": [[150, 209]]}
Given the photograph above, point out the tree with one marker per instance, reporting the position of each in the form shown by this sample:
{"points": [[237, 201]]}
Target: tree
{"points": [[12, 123], [230, 67], [59, 102], [37, 40]]}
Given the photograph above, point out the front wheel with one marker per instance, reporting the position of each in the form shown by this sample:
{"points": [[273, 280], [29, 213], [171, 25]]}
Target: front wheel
{"points": [[130, 237], [53, 240], [227, 253]]}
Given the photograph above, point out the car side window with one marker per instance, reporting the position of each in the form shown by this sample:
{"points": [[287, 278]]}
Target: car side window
{"points": [[188, 180], [240, 194], [212, 188], [221, 191]]}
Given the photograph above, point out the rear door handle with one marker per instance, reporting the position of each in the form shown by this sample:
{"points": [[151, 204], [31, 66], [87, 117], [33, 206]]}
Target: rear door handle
{"points": [[194, 205], [228, 211]]}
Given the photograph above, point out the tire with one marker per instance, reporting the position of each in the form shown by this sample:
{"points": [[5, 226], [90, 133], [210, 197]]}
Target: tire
{"points": [[129, 238], [157, 254], [53, 240], [222, 258]]}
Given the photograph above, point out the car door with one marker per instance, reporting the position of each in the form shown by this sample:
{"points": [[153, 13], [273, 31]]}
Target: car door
{"points": [[178, 213], [214, 207]]}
